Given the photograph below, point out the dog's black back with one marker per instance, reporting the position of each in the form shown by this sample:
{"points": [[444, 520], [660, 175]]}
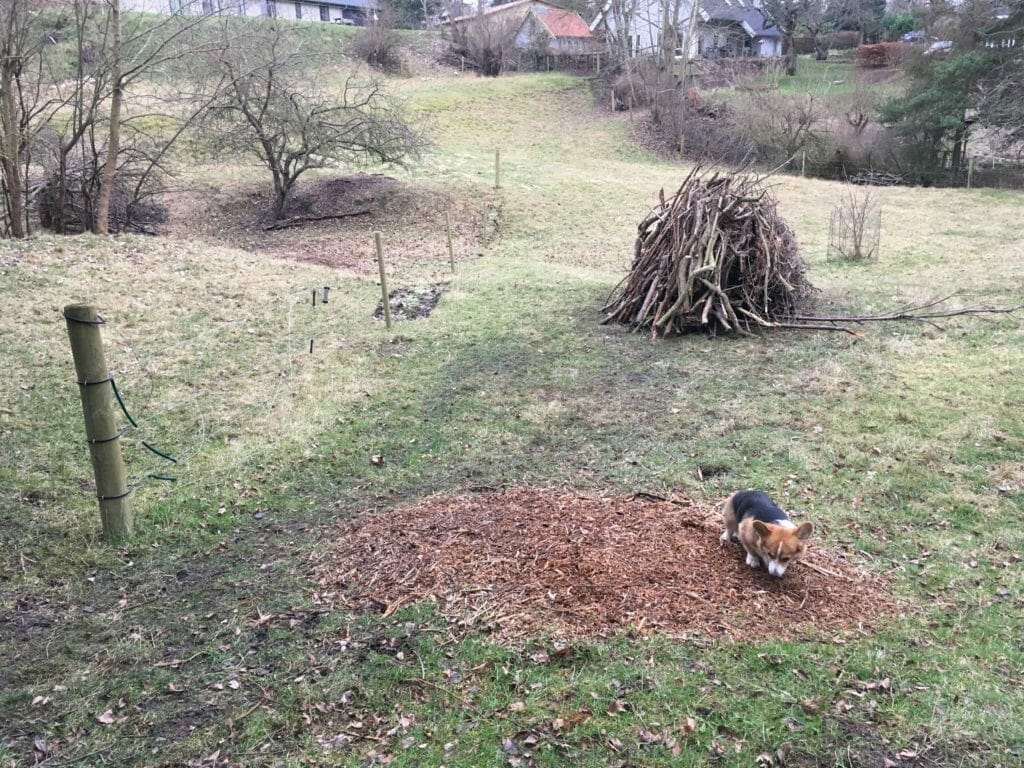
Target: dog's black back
{"points": [[758, 506]]}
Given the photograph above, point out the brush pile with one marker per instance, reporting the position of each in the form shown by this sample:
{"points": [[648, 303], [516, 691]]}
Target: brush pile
{"points": [[716, 255]]}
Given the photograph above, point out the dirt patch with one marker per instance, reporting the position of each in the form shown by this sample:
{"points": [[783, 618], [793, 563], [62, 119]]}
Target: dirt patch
{"points": [[526, 560], [410, 214], [411, 303]]}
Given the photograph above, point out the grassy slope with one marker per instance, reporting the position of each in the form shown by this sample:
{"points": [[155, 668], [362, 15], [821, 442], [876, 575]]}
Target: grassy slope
{"points": [[203, 634]]}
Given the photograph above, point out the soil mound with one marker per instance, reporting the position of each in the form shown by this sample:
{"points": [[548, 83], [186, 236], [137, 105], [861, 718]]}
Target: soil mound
{"points": [[528, 560]]}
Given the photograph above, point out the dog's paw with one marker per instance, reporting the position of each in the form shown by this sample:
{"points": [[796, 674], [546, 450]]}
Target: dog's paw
{"points": [[752, 561], [724, 538]]}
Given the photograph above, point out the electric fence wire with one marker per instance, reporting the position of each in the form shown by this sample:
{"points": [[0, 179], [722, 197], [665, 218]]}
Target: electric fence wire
{"points": [[158, 373]]}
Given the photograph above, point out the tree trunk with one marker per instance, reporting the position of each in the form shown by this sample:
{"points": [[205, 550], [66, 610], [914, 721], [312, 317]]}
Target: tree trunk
{"points": [[11, 152], [102, 224], [790, 54], [282, 193]]}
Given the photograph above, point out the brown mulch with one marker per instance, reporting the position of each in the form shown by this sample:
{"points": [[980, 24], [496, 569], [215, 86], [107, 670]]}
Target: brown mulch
{"points": [[528, 560]]}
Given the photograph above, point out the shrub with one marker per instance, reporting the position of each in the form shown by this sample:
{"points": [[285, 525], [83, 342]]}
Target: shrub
{"points": [[380, 47]]}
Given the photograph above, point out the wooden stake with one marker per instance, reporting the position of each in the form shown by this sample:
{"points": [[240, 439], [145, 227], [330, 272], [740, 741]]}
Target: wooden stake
{"points": [[497, 169], [383, 280], [101, 430], [451, 249], [682, 145], [970, 173], [803, 163]]}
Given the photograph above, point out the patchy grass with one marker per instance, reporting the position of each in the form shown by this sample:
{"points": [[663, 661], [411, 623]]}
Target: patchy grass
{"points": [[203, 642]]}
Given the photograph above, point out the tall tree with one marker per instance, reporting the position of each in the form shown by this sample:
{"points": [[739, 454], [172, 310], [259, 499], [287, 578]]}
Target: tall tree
{"points": [[102, 225], [787, 16], [132, 56], [23, 100]]}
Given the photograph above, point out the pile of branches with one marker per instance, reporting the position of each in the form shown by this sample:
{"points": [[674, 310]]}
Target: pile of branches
{"points": [[67, 201], [716, 255]]}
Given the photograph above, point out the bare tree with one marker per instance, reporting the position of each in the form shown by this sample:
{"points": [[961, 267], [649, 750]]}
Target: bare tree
{"points": [[131, 57], [487, 40], [787, 16], [25, 103], [272, 108]]}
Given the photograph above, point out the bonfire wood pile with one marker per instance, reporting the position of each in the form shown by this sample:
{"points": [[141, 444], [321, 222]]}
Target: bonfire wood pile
{"points": [[716, 255]]}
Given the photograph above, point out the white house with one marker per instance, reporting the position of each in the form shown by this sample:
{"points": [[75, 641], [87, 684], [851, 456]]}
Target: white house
{"points": [[722, 27], [731, 28], [356, 12]]}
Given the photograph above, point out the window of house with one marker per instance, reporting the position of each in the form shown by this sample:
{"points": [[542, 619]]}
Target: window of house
{"points": [[325, 13], [298, 10]]}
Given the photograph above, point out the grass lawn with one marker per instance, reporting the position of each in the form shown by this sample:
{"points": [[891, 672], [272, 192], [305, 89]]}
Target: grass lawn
{"points": [[203, 641]]}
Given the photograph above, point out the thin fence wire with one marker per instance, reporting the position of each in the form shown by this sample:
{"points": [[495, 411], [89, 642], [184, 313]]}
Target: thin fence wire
{"points": [[198, 389]]}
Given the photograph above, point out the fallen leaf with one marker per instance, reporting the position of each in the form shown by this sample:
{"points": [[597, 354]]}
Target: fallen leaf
{"points": [[688, 726], [571, 720], [517, 706], [107, 717], [617, 706]]}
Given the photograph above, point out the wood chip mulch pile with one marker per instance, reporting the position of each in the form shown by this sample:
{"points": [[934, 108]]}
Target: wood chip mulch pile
{"points": [[528, 560]]}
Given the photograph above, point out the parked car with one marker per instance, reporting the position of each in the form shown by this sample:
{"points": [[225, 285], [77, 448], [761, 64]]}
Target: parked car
{"points": [[939, 46], [912, 37]]}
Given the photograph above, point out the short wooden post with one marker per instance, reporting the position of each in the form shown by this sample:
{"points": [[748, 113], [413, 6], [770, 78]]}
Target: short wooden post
{"points": [[386, 301], [497, 169], [597, 64], [970, 173], [101, 432], [682, 145], [451, 248], [803, 163]]}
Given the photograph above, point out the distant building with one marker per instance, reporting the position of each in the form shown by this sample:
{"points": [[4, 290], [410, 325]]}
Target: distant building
{"points": [[724, 28], [554, 31], [354, 12], [732, 28]]}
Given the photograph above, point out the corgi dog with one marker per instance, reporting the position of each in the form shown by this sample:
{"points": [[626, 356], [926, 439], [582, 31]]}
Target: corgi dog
{"points": [[765, 531]]}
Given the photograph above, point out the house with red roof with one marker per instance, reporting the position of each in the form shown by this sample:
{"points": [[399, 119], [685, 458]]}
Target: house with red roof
{"points": [[554, 31]]}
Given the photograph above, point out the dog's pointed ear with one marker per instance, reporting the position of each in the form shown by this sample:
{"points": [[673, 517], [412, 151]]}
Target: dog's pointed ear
{"points": [[804, 531], [761, 529]]}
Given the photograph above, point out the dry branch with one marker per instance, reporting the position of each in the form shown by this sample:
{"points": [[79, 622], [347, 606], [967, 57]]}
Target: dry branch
{"points": [[714, 255], [295, 221]]}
